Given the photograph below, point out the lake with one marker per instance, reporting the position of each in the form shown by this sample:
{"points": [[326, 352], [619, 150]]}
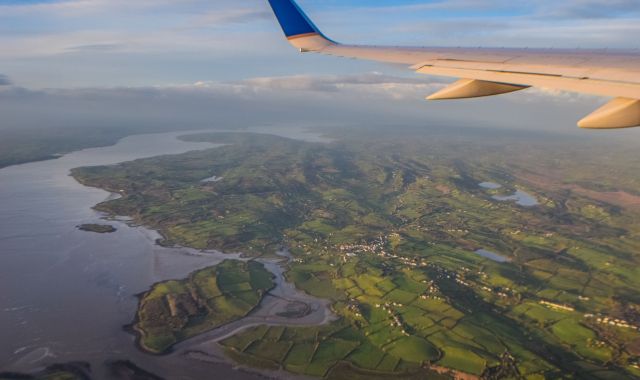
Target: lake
{"points": [[490, 185], [521, 198]]}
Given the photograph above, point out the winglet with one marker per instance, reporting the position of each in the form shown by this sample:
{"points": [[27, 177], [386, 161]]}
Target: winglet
{"points": [[297, 27]]}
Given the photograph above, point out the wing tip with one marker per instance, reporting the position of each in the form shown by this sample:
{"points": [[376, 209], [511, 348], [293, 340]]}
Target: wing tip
{"points": [[299, 30]]}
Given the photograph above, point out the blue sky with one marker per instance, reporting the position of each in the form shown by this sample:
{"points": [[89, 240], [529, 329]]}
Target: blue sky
{"points": [[77, 43], [60, 50]]}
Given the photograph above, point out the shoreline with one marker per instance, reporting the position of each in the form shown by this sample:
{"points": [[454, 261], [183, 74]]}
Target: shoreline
{"points": [[160, 240], [167, 264], [329, 315], [215, 353], [138, 333], [220, 357]]}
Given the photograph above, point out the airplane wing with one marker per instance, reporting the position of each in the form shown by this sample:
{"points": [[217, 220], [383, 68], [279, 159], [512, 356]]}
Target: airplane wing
{"points": [[488, 71]]}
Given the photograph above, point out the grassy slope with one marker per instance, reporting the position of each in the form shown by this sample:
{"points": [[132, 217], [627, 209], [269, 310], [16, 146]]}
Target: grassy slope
{"points": [[176, 310]]}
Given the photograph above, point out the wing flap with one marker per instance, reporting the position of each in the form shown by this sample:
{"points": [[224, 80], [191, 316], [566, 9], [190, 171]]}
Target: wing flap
{"points": [[571, 72]]}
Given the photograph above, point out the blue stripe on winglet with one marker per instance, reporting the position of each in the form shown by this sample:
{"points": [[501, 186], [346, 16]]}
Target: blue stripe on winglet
{"points": [[292, 19]]}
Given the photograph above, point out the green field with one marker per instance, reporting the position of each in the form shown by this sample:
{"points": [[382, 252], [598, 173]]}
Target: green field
{"points": [[176, 310], [317, 351], [386, 226]]}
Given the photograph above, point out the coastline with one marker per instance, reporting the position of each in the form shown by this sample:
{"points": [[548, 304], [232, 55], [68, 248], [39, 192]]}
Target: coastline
{"points": [[192, 348], [252, 318], [138, 333]]}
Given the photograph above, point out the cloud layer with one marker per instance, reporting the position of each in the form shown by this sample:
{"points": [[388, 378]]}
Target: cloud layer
{"points": [[350, 100], [4, 80]]}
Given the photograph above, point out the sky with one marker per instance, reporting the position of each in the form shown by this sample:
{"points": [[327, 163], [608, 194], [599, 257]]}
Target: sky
{"points": [[58, 51]]}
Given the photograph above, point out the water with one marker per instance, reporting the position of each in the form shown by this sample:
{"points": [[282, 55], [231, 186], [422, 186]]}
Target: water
{"points": [[522, 198], [277, 301], [65, 294], [490, 185], [212, 179], [292, 133], [492, 256]]}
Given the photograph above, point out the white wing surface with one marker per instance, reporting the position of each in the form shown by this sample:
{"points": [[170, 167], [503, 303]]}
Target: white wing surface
{"points": [[487, 71]]}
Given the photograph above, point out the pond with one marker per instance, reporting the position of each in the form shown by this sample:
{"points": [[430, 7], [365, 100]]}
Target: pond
{"points": [[521, 198]]}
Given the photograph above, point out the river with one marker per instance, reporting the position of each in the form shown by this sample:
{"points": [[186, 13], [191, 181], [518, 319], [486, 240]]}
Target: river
{"points": [[65, 294]]}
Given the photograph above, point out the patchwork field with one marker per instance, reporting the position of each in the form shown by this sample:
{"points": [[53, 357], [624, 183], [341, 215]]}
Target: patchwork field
{"points": [[387, 227]]}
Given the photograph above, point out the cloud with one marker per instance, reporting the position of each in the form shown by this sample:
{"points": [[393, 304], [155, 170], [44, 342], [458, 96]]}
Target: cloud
{"points": [[362, 99], [509, 8], [4, 80], [593, 9], [219, 17], [203, 104], [375, 85], [445, 5], [99, 47], [73, 8], [517, 23], [50, 29], [372, 84], [119, 41], [530, 32]]}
